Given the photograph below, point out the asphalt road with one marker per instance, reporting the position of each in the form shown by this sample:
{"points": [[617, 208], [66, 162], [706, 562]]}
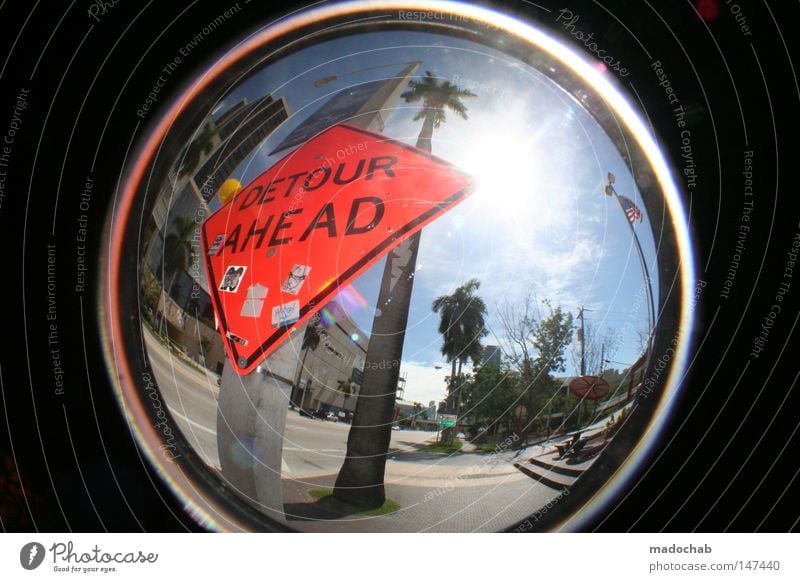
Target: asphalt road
{"points": [[311, 447], [190, 395], [315, 447], [460, 492]]}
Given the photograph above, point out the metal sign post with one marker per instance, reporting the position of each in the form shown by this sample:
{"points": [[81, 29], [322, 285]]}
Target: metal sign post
{"points": [[251, 417]]}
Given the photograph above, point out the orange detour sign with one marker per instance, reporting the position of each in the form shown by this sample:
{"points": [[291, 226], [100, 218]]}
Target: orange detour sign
{"points": [[313, 222]]}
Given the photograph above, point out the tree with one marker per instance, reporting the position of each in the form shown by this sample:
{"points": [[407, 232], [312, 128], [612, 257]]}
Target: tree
{"points": [[202, 144], [178, 250], [151, 290], [178, 247], [553, 335], [491, 397], [597, 347], [644, 338], [311, 339], [537, 346], [519, 321], [437, 97], [360, 479], [462, 325], [346, 387]]}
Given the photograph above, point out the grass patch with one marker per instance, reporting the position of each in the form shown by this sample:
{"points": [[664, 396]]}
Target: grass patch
{"points": [[487, 447], [320, 493], [451, 447], [326, 496], [388, 506]]}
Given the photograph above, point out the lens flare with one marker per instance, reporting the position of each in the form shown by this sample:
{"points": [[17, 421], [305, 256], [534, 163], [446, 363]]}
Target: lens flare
{"points": [[501, 162]]}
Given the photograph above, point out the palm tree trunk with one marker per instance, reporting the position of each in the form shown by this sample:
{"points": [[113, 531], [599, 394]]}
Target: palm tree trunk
{"points": [[426, 134], [525, 376], [360, 480], [452, 386], [458, 387], [297, 379], [455, 395], [449, 433]]}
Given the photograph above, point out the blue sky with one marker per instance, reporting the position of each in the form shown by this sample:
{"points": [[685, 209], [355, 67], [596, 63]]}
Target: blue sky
{"points": [[539, 220]]}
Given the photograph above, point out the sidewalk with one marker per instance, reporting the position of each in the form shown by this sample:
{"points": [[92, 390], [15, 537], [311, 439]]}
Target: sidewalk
{"points": [[463, 492]]}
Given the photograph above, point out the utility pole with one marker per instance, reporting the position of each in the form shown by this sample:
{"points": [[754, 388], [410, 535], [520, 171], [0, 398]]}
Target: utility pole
{"points": [[583, 342], [602, 358], [651, 308]]}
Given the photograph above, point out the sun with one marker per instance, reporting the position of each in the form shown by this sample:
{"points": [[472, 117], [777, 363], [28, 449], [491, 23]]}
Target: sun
{"points": [[506, 167]]}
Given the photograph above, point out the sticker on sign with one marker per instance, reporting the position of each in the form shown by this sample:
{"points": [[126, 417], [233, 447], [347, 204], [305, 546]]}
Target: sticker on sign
{"points": [[254, 303], [287, 314], [311, 224], [294, 282]]}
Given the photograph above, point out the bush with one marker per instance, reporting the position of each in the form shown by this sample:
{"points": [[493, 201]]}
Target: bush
{"points": [[451, 447], [613, 425]]}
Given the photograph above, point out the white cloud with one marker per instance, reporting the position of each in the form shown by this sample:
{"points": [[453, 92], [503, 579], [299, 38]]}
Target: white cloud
{"points": [[424, 382]]}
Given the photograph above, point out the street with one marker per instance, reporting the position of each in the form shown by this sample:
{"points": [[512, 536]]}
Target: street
{"points": [[436, 491], [311, 447], [190, 395]]}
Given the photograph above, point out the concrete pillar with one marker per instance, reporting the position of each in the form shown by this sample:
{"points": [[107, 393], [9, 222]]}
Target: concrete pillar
{"points": [[251, 418]]}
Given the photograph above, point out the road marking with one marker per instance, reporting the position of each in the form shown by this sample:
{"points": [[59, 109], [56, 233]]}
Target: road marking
{"points": [[193, 423], [305, 450]]}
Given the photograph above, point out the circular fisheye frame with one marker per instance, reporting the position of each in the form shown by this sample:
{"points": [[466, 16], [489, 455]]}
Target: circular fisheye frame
{"points": [[400, 276]]}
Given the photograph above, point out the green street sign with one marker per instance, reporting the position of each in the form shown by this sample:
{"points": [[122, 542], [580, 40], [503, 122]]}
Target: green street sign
{"points": [[446, 422]]}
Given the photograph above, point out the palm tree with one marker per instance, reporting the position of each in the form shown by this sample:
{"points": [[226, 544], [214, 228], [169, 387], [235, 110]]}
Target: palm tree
{"points": [[311, 339], [178, 250], [202, 144], [151, 290], [462, 326], [437, 97], [360, 480], [347, 388], [415, 413]]}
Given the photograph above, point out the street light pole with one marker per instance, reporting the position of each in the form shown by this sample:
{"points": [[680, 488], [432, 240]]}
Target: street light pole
{"points": [[331, 78], [583, 340], [609, 189]]}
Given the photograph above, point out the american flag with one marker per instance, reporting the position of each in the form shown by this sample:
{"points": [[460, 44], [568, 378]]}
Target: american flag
{"points": [[631, 211]]}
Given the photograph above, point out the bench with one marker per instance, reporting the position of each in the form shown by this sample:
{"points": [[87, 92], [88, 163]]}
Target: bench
{"points": [[577, 447], [566, 448]]}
